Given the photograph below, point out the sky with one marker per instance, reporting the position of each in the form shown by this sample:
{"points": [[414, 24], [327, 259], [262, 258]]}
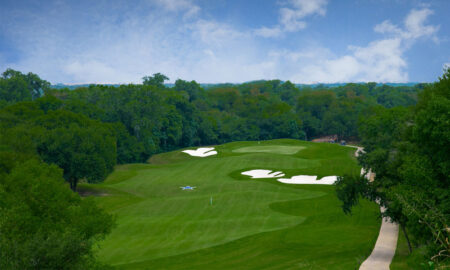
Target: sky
{"points": [[216, 41]]}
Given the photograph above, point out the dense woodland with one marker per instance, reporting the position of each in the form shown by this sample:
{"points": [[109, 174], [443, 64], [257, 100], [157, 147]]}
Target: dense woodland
{"points": [[80, 135], [409, 150]]}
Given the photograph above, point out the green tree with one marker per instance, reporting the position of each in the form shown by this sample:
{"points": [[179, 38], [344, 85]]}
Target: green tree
{"points": [[409, 152], [15, 86], [156, 80], [192, 88], [14, 89], [43, 225], [83, 148]]}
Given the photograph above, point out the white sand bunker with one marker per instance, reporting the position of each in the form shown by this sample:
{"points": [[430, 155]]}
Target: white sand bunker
{"points": [[309, 179], [201, 152], [263, 174]]}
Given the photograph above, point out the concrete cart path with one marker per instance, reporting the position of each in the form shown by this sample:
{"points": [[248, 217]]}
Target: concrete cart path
{"points": [[384, 250]]}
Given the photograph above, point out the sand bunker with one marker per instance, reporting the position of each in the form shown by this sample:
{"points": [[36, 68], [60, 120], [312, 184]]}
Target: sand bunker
{"points": [[309, 179], [201, 152], [298, 179], [263, 174]]}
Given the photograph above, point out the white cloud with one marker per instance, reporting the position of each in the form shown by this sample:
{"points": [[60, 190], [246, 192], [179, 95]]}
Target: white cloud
{"points": [[198, 49], [212, 32], [414, 26], [381, 60], [186, 6], [269, 32], [292, 16], [305, 8], [386, 27]]}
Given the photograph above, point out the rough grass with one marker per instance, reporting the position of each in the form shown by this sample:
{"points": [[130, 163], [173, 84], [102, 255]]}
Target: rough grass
{"points": [[404, 260], [399, 262], [252, 224]]}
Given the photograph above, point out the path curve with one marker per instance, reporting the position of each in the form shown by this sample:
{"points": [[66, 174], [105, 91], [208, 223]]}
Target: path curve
{"points": [[384, 250]]}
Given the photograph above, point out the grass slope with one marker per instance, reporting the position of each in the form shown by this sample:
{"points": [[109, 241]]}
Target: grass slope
{"points": [[274, 149], [252, 224]]}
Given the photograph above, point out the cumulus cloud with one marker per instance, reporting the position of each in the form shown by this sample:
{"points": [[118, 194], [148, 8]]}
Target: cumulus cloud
{"points": [[414, 26], [386, 27], [381, 60], [122, 47], [291, 16]]}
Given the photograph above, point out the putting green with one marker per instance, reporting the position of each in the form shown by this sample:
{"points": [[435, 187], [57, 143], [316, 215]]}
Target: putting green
{"points": [[251, 224], [274, 149]]}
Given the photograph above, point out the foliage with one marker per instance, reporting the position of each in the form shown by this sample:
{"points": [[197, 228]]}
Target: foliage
{"points": [[15, 86], [151, 118], [83, 148], [156, 80], [409, 152], [158, 118], [350, 189], [43, 225]]}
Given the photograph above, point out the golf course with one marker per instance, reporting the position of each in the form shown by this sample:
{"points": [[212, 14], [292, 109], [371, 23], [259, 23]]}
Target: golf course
{"points": [[230, 220]]}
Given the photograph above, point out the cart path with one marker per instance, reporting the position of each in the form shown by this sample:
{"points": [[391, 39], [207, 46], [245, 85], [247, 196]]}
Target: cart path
{"points": [[384, 250]]}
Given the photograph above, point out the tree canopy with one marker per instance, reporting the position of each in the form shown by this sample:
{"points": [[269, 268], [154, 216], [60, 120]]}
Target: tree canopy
{"points": [[409, 150], [156, 80], [43, 225]]}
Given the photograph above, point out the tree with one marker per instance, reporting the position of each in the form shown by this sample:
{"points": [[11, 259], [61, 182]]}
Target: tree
{"points": [[15, 86], [156, 80], [14, 89], [83, 148], [43, 225], [129, 150], [409, 152], [288, 92], [192, 88]]}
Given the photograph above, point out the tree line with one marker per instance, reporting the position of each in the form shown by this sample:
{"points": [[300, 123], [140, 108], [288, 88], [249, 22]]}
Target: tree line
{"points": [[105, 125]]}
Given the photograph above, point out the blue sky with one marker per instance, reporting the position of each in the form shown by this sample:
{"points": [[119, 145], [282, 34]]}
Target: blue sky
{"points": [[210, 41]]}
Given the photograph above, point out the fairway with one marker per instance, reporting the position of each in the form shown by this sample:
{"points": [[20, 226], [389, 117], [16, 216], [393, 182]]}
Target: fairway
{"points": [[274, 149], [230, 220]]}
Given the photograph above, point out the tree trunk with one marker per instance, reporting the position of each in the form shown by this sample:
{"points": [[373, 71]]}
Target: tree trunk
{"points": [[73, 184], [407, 238]]}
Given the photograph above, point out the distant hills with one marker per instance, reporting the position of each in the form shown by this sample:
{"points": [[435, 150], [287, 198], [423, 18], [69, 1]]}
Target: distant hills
{"points": [[211, 85]]}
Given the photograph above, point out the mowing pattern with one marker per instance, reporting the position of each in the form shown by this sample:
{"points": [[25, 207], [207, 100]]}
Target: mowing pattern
{"points": [[251, 224], [274, 149]]}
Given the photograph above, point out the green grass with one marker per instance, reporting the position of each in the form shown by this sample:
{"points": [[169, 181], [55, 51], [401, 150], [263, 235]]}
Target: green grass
{"points": [[274, 149], [404, 260], [399, 262], [252, 224]]}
